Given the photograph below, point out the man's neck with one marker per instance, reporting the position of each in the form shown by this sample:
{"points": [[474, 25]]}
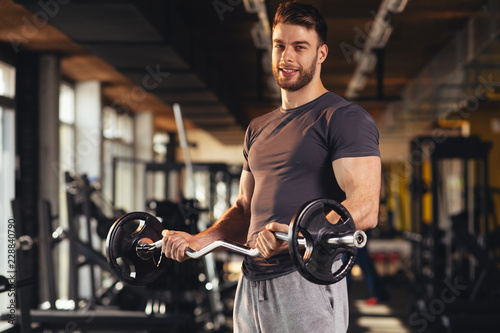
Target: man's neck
{"points": [[293, 99]]}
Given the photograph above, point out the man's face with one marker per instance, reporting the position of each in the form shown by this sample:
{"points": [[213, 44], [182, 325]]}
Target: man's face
{"points": [[295, 55]]}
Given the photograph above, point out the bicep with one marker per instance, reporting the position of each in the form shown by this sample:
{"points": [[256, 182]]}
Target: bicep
{"points": [[356, 174], [360, 178]]}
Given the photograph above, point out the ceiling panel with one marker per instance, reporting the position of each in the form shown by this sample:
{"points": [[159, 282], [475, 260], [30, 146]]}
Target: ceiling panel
{"points": [[212, 64]]}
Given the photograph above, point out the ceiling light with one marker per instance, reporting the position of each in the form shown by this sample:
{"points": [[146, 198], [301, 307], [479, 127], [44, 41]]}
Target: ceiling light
{"points": [[252, 6], [261, 39], [367, 62], [378, 37], [383, 38], [396, 6]]}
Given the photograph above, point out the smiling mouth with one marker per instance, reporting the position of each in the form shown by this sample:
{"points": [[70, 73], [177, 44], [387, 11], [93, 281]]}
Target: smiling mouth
{"points": [[288, 73]]}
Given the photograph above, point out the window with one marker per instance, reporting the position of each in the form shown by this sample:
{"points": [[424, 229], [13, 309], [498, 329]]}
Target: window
{"points": [[7, 80], [67, 128], [66, 164], [118, 133], [67, 104], [7, 163]]}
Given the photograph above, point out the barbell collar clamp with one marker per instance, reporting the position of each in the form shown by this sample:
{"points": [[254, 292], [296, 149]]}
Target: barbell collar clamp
{"points": [[356, 239]]}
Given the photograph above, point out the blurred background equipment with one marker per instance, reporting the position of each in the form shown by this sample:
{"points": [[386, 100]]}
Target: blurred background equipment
{"points": [[116, 106]]}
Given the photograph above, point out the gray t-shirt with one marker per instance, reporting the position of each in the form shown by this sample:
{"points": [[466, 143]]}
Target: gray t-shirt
{"points": [[290, 155]]}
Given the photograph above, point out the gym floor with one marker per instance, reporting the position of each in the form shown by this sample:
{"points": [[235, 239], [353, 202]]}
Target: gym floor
{"points": [[385, 317]]}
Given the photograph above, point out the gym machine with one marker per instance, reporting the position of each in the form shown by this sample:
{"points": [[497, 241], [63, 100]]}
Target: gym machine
{"points": [[187, 214], [101, 310], [82, 208], [454, 256]]}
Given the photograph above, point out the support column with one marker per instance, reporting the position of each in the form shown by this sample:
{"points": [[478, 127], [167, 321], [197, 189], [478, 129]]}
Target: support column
{"points": [[48, 126], [88, 137], [26, 204]]}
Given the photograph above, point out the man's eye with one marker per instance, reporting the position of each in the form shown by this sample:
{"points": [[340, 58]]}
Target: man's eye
{"points": [[278, 46]]}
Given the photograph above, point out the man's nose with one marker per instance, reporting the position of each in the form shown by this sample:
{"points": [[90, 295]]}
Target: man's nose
{"points": [[287, 55]]}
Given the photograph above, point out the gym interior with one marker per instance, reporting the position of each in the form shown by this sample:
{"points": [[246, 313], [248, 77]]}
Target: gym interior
{"points": [[118, 106]]}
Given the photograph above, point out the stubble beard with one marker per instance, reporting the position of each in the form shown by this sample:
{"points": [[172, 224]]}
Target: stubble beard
{"points": [[305, 76]]}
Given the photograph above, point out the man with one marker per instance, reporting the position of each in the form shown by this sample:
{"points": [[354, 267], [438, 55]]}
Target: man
{"points": [[316, 145]]}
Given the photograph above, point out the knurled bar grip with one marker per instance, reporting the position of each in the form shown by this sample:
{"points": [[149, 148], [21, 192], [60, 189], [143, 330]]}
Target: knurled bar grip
{"points": [[357, 239]]}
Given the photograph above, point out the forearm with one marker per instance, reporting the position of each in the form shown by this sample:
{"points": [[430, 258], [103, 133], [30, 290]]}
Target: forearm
{"points": [[364, 212], [232, 225], [360, 180]]}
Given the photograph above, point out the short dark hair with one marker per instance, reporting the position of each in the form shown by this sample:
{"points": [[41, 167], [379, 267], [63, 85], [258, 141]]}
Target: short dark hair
{"points": [[301, 14]]}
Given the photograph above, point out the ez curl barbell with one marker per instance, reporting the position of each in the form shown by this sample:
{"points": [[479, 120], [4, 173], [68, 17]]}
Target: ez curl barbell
{"points": [[134, 242]]}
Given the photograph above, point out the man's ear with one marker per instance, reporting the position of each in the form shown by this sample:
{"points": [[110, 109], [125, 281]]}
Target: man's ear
{"points": [[322, 53]]}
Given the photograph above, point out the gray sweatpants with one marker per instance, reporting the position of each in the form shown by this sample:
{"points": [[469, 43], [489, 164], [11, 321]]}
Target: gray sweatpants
{"points": [[290, 304]]}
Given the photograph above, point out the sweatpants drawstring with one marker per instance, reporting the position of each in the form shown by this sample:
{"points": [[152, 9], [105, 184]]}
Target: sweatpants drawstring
{"points": [[262, 291]]}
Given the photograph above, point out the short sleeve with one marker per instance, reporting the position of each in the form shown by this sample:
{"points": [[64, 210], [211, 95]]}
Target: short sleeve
{"points": [[246, 149], [352, 132]]}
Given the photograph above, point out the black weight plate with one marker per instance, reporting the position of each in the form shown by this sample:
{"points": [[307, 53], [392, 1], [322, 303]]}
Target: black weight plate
{"points": [[315, 262], [121, 242]]}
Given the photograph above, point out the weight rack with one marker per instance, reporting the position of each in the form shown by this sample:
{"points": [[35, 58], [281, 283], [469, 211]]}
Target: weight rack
{"points": [[453, 247]]}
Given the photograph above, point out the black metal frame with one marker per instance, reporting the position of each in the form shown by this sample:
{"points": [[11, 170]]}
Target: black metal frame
{"points": [[435, 259], [167, 167]]}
